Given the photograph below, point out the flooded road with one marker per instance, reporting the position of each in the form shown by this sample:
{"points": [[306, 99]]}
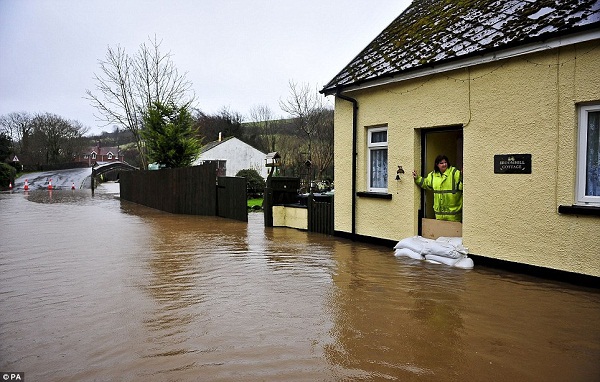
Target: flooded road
{"points": [[99, 289]]}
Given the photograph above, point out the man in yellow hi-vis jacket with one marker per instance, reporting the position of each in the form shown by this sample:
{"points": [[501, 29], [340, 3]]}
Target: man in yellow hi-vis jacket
{"points": [[446, 183]]}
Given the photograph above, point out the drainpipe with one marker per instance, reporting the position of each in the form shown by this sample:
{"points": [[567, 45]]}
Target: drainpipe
{"points": [[354, 156]]}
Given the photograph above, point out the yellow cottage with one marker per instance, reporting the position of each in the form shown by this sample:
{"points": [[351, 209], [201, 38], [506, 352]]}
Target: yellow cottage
{"points": [[510, 92]]}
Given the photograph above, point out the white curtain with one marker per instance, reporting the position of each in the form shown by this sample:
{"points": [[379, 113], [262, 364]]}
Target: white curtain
{"points": [[379, 168], [592, 172]]}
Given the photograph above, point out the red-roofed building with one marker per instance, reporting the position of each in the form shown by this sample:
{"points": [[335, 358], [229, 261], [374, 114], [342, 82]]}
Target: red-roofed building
{"points": [[98, 155]]}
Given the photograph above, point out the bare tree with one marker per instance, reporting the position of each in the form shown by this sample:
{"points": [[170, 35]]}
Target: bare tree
{"points": [[75, 140], [56, 139], [227, 123], [18, 126], [292, 157], [322, 152], [303, 104], [43, 138], [314, 121], [129, 85], [158, 78], [262, 118]]}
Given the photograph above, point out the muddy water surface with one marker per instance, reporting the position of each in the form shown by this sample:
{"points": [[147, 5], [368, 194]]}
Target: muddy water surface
{"points": [[99, 289]]}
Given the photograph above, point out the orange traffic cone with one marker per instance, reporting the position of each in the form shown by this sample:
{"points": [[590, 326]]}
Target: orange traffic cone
{"points": [[50, 184], [26, 187], [73, 186]]}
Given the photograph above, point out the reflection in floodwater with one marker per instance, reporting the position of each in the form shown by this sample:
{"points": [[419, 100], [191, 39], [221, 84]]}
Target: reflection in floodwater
{"points": [[407, 328], [95, 288]]}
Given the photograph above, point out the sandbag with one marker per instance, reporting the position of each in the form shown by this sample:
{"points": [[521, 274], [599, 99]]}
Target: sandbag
{"points": [[454, 240], [408, 253], [440, 249], [464, 263], [443, 250], [443, 260], [414, 243]]}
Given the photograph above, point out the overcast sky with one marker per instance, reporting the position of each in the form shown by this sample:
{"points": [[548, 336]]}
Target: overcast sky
{"points": [[237, 53]]}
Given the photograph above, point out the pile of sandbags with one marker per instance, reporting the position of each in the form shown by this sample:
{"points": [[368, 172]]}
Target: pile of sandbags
{"points": [[443, 250]]}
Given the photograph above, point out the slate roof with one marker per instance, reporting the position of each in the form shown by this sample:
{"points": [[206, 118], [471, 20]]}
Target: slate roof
{"points": [[213, 144], [440, 31], [209, 146]]}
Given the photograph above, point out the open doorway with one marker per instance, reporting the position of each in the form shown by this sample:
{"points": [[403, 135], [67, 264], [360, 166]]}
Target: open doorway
{"points": [[447, 141]]}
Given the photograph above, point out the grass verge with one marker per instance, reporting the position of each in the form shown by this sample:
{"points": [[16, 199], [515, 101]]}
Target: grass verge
{"points": [[255, 202]]}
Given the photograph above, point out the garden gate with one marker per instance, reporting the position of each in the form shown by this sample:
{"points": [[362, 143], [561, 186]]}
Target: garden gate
{"points": [[232, 199]]}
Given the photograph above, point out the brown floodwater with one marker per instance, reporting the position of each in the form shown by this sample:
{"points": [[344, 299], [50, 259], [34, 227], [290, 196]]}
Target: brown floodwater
{"points": [[99, 289]]}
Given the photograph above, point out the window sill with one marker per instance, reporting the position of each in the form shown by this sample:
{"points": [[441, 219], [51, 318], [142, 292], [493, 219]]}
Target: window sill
{"points": [[579, 210], [375, 195]]}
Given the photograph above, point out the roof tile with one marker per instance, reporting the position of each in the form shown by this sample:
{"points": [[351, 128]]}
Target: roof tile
{"points": [[434, 31]]}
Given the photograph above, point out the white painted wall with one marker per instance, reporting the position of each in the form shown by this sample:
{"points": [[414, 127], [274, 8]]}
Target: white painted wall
{"points": [[239, 156]]}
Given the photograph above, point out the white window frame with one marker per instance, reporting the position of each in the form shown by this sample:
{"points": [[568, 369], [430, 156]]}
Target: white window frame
{"points": [[581, 197], [110, 155], [376, 146]]}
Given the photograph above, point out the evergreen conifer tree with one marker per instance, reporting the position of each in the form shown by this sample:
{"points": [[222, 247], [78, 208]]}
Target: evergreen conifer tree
{"points": [[170, 136]]}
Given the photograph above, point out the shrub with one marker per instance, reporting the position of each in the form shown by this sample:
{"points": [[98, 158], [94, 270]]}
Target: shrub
{"points": [[7, 174], [256, 183]]}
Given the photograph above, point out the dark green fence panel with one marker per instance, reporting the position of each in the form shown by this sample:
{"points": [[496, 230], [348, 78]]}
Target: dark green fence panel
{"points": [[232, 200], [285, 189], [320, 214], [188, 190], [279, 190]]}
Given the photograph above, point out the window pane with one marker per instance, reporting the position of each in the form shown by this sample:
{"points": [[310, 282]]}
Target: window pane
{"points": [[592, 172], [379, 136], [379, 168]]}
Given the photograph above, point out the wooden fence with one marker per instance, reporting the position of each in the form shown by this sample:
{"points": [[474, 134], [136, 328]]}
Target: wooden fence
{"points": [[232, 199], [320, 214], [279, 190], [284, 191], [192, 190]]}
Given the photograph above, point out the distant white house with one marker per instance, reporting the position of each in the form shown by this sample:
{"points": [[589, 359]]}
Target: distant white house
{"points": [[236, 155]]}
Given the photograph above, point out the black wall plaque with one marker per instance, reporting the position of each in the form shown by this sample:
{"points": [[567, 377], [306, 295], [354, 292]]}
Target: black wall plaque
{"points": [[512, 164]]}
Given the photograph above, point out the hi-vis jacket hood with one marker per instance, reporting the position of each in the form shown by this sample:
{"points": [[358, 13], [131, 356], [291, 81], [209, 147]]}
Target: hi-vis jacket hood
{"points": [[447, 193]]}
